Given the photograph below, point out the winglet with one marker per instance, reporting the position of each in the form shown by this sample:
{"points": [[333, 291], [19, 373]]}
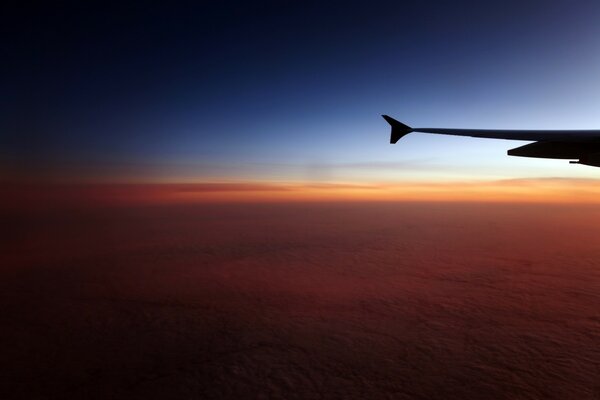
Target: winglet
{"points": [[398, 129]]}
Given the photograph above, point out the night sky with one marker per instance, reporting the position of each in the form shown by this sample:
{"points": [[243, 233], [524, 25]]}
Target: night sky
{"points": [[279, 92]]}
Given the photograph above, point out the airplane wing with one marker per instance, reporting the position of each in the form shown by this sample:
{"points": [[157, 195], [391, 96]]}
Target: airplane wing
{"points": [[580, 145]]}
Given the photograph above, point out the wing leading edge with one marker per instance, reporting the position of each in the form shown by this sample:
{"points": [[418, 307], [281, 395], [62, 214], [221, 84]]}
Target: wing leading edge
{"points": [[580, 145]]}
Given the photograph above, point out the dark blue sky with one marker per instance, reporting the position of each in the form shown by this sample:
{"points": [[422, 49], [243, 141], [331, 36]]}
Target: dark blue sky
{"points": [[273, 91]]}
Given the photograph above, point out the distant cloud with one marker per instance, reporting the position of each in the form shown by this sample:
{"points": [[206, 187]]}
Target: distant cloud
{"points": [[550, 180], [334, 186], [229, 187], [530, 190]]}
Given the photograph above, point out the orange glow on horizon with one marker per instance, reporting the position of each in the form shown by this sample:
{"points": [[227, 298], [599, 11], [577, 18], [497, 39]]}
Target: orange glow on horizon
{"points": [[518, 191]]}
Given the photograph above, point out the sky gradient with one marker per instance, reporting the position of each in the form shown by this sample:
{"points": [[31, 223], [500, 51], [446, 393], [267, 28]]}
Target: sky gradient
{"points": [[292, 94], [199, 200]]}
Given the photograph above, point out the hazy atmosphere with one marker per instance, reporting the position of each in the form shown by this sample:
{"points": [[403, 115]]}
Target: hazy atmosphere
{"points": [[200, 201]]}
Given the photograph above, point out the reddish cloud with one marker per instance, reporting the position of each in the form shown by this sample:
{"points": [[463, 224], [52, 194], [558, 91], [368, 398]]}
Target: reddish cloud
{"points": [[549, 190]]}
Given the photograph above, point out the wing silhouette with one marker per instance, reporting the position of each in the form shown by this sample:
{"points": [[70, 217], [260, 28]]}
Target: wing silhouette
{"points": [[580, 145]]}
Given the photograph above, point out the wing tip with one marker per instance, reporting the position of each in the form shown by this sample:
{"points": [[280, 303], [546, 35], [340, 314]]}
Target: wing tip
{"points": [[398, 129]]}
